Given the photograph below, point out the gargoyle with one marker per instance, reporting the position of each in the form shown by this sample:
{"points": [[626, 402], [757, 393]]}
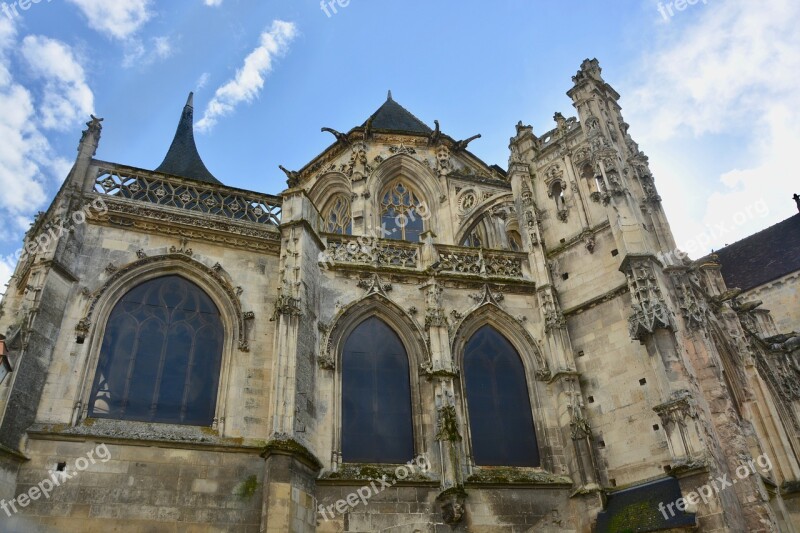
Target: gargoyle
{"points": [[292, 175], [340, 137], [436, 135], [462, 145]]}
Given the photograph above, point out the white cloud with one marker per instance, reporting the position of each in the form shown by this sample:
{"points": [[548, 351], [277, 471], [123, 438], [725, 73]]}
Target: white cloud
{"points": [[213, 2], [729, 69], [249, 79], [119, 19], [139, 55], [202, 81], [67, 97], [27, 160]]}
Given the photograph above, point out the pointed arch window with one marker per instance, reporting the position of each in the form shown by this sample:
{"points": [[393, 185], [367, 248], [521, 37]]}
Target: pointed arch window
{"points": [[161, 356], [376, 396], [338, 218], [500, 417], [401, 212]]}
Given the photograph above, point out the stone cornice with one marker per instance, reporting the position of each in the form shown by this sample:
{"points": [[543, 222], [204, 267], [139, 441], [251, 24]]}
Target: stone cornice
{"points": [[164, 220]]}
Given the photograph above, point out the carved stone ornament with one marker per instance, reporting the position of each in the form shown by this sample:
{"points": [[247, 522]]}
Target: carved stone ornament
{"points": [[650, 311], [553, 317], [677, 410], [452, 504], [447, 424], [444, 165], [374, 285], [358, 166], [488, 297], [692, 305]]}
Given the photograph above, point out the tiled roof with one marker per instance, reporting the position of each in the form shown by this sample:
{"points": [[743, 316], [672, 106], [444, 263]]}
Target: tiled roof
{"points": [[183, 159], [762, 257], [391, 116], [636, 509]]}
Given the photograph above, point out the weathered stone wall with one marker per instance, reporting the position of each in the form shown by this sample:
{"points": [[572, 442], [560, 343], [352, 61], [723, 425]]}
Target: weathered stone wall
{"points": [[619, 405], [782, 299], [246, 398], [413, 508], [144, 488]]}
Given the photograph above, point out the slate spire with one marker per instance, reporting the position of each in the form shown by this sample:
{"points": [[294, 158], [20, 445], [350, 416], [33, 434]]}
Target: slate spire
{"points": [[183, 159]]}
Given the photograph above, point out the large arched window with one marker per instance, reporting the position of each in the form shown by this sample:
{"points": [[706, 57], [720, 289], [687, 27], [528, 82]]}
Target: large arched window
{"points": [[401, 213], [376, 396], [337, 217], [161, 355], [500, 418]]}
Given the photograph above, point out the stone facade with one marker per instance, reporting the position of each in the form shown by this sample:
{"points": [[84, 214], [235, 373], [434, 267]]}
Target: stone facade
{"points": [[782, 298], [637, 370]]}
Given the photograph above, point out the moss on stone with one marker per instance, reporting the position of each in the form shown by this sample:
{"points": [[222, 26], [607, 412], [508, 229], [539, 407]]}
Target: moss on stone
{"points": [[248, 487], [504, 475], [291, 447], [369, 472], [452, 491]]}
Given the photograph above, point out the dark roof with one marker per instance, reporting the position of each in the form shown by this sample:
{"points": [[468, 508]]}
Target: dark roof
{"points": [[637, 509], [183, 158], [392, 116], [763, 257]]}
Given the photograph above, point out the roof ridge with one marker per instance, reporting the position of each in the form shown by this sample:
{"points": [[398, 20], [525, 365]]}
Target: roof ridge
{"points": [[759, 232]]}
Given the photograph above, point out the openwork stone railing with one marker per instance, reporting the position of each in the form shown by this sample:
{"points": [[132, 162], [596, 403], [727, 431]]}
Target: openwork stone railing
{"points": [[481, 262], [354, 250], [345, 249], [125, 182]]}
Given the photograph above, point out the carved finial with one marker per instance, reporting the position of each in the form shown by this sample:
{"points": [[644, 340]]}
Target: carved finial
{"points": [[340, 137], [389, 96], [796, 198], [190, 100], [462, 145], [94, 128]]}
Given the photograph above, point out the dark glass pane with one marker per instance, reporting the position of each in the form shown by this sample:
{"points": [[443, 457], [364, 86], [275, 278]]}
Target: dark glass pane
{"points": [[161, 356], [376, 396], [414, 227], [499, 407]]}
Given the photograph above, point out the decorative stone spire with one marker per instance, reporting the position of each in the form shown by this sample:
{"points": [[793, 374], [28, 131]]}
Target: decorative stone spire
{"points": [[183, 159]]}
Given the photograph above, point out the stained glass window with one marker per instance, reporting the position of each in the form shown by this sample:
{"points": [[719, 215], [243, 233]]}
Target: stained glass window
{"points": [[376, 396], [400, 213], [500, 417], [338, 218], [161, 356]]}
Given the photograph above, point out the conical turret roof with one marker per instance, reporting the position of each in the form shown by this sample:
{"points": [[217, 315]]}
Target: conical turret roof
{"points": [[183, 159]]}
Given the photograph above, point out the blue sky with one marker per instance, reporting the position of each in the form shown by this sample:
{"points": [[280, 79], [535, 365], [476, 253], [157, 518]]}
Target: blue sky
{"points": [[710, 92]]}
